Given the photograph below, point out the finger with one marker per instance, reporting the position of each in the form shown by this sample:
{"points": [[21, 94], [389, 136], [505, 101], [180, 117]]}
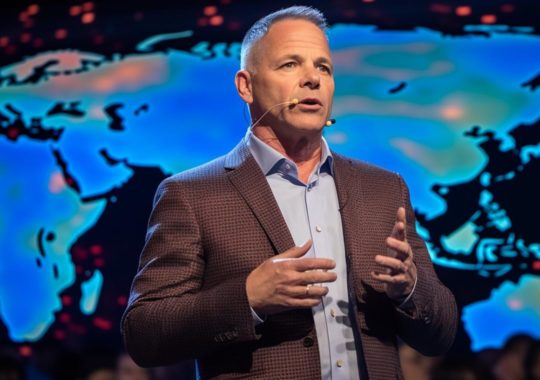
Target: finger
{"points": [[309, 263], [291, 277], [395, 265], [316, 277], [400, 249], [399, 230], [294, 252], [400, 279], [401, 215], [302, 303], [305, 291]]}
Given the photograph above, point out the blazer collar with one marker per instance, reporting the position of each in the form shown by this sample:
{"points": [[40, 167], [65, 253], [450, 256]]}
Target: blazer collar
{"points": [[247, 177], [349, 181], [344, 178]]}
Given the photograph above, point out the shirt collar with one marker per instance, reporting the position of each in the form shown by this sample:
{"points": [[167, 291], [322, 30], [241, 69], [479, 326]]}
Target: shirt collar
{"points": [[269, 159]]}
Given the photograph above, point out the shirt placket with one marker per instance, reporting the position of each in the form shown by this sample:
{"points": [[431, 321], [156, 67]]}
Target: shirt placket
{"points": [[328, 311], [316, 233]]}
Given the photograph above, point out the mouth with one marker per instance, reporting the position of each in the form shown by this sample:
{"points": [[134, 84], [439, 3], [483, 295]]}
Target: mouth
{"points": [[310, 104]]}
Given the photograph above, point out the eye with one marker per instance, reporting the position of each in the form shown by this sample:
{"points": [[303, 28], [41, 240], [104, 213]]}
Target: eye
{"points": [[325, 69], [289, 65]]}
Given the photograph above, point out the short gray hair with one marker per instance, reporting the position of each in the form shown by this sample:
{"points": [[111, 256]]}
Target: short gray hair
{"points": [[261, 27]]}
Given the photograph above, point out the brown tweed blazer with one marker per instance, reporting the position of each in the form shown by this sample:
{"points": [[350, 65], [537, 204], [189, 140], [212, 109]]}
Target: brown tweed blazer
{"points": [[212, 225]]}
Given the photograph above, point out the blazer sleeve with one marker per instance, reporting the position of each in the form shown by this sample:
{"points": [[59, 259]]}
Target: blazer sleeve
{"points": [[430, 323], [171, 315]]}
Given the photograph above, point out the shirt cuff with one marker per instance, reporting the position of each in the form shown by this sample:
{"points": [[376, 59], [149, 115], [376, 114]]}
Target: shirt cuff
{"points": [[402, 304], [256, 319]]}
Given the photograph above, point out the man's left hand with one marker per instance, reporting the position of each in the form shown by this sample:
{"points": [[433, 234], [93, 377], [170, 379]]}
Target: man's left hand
{"points": [[400, 274]]}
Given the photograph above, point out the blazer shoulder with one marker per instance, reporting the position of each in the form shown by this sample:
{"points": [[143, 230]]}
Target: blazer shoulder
{"points": [[213, 171], [209, 171], [364, 168], [198, 180]]}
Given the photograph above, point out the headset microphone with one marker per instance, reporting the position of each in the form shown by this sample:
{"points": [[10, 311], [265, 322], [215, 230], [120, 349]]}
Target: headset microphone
{"points": [[293, 101], [330, 122]]}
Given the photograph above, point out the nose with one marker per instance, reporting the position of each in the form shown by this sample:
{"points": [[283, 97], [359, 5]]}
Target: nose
{"points": [[310, 78]]}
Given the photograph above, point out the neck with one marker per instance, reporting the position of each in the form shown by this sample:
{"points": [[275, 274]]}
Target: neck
{"points": [[304, 150]]}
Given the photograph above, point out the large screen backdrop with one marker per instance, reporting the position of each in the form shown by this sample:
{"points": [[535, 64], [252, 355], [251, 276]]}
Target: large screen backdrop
{"points": [[85, 137]]}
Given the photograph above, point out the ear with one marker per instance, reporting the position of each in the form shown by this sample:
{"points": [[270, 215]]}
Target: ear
{"points": [[242, 80]]}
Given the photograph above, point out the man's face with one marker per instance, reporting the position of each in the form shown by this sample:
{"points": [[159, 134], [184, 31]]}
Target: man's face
{"points": [[292, 61]]}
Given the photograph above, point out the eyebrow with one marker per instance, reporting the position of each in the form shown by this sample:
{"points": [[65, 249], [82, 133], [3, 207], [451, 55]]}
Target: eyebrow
{"points": [[325, 60], [297, 57]]}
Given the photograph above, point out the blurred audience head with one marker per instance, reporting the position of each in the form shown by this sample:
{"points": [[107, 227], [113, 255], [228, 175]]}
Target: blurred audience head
{"points": [[414, 365], [460, 368], [11, 368], [127, 369], [531, 363], [97, 363], [510, 363]]}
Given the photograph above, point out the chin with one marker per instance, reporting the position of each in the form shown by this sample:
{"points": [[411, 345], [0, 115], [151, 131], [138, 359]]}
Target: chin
{"points": [[309, 129], [308, 126]]}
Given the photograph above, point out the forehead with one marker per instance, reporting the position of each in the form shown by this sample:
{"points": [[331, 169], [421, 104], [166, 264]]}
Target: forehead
{"points": [[292, 34]]}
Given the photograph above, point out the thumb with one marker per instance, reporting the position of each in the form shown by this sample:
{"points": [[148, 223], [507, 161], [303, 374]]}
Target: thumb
{"points": [[399, 232], [295, 252]]}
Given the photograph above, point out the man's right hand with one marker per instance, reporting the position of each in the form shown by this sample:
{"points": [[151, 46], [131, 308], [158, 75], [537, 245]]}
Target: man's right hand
{"points": [[289, 281]]}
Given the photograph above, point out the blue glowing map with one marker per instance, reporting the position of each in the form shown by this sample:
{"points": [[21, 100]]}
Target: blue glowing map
{"points": [[458, 117]]}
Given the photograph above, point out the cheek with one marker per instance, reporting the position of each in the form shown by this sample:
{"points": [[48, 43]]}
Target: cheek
{"points": [[330, 87], [330, 95]]}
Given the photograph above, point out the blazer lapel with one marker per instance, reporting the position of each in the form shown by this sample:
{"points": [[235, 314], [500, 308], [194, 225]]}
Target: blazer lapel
{"points": [[343, 177], [247, 177], [349, 193], [351, 200]]}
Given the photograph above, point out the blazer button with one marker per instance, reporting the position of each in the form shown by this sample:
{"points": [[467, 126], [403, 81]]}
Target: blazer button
{"points": [[308, 341]]}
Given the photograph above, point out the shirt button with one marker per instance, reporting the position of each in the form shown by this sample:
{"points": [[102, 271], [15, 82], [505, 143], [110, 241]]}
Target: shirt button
{"points": [[339, 363], [308, 341], [318, 228], [333, 313]]}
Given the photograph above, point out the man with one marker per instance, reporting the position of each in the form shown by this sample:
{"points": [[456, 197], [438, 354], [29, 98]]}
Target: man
{"points": [[283, 260]]}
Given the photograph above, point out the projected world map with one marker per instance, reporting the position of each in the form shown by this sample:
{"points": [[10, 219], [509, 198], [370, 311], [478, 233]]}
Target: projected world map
{"points": [[80, 134]]}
